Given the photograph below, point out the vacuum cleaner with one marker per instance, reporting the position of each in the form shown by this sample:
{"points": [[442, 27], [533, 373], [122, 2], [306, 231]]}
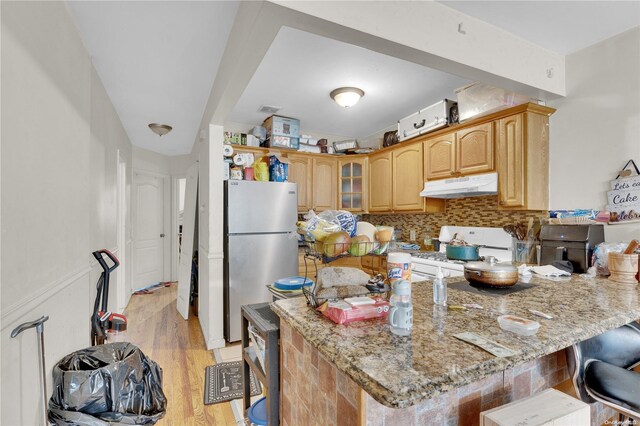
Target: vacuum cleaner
{"points": [[104, 323]]}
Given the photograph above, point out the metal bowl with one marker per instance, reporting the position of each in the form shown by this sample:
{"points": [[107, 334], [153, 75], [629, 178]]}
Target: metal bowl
{"points": [[491, 273]]}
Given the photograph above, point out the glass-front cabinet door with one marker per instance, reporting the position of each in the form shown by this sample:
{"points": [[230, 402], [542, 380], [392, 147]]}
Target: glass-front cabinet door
{"points": [[352, 184]]}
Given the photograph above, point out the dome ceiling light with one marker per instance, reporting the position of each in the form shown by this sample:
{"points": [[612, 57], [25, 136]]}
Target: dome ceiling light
{"points": [[346, 96], [160, 129]]}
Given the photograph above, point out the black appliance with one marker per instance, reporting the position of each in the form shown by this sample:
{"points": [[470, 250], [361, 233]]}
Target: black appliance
{"points": [[574, 243]]}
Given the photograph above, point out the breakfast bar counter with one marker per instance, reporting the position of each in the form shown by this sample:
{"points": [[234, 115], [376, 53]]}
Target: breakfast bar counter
{"points": [[363, 370]]}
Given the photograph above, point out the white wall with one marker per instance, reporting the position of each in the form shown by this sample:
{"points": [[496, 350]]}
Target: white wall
{"points": [[426, 32], [596, 128], [109, 145], [208, 152], [210, 251], [60, 136], [150, 161]]}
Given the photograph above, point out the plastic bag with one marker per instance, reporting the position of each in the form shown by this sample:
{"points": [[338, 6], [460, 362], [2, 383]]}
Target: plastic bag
{"points": [[315, 223], [341, 312], [345, 220], [601, 256], [107, 384], [261, 170]]}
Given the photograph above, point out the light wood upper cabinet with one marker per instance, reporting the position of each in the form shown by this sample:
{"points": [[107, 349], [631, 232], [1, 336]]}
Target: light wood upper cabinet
{"points": [[523, 160], [300, 172], [467, 151], [380, 182], [511, 161], [325, 184], [474, 149], [352, 184], [440, 156], [396, 179], [408, 178], [513, 142]]}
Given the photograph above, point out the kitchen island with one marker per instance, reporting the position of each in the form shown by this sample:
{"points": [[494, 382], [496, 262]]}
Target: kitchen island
{"points": [[362, 373]]}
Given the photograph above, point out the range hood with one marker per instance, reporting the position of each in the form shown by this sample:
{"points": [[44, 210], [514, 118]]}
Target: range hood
{"points": [[467, 186]]}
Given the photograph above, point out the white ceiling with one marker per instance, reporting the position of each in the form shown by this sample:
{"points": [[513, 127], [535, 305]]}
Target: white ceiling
{"points": [[157, 61], [560, 26], [300, 69]]}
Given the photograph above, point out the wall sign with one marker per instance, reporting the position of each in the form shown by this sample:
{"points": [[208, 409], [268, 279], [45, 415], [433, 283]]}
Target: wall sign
{"points": [[624, 197]]}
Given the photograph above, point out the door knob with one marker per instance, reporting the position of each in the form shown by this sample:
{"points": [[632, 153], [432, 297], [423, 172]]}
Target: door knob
{"points": [[161, 235]]}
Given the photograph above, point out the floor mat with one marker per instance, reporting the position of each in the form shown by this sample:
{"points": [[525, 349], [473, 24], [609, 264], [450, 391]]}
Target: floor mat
{"points": [[223, 382]]}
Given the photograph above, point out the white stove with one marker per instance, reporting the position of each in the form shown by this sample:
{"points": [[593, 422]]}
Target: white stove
{"points": [[491, 242]]}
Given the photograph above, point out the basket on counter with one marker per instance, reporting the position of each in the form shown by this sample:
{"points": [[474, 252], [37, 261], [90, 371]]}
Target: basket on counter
{"points": [[328, 252]]}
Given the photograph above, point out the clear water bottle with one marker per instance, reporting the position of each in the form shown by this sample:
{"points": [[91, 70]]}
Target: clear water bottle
{"points": [[401, 312], [439, 289]]}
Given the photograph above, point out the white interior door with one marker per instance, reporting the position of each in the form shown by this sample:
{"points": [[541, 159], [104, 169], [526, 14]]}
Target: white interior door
{"points": [[188, 232], [148, 230]]}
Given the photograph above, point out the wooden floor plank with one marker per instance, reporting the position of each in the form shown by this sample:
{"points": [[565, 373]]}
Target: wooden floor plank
{"points": [[178, 346]]}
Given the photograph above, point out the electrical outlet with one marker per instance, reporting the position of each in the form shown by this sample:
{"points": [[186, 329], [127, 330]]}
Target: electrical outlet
{"points": [[412, 235]]}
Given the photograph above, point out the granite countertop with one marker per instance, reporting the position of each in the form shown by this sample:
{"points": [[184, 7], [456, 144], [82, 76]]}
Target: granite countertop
{"points": [[403, 371]]}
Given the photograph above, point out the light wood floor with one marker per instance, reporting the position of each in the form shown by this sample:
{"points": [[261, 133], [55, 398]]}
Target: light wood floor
{"points": [[178, 347]]}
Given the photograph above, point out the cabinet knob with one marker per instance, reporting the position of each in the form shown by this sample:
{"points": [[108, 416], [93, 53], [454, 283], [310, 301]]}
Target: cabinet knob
{"points": [[501, 203], [453, 173]]}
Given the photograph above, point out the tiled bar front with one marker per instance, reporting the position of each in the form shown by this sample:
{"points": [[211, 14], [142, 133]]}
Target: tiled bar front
{"points": [[315, 392], [431, 375]]}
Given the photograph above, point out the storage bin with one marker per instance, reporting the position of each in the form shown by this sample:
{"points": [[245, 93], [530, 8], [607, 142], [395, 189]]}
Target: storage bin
{"points": [[276, 141], [547, 408], [431, 118], [282, 126], [478, 99], [257, 413]]}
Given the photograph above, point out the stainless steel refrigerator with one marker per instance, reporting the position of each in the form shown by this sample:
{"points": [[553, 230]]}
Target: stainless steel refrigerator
{"points": [[260, 244]]}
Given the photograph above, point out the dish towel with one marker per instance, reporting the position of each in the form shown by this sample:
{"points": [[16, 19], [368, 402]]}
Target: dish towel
{"points": [[550, 271], [406, 246]]}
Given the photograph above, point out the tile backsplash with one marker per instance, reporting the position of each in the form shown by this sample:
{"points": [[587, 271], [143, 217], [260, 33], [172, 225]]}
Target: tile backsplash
{"points": [[472, 211]]}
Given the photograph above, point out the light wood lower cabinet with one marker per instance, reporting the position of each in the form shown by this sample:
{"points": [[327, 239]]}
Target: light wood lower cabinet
{"points": [[374, 264], [365, 263], [325, 184], [523, 161]]}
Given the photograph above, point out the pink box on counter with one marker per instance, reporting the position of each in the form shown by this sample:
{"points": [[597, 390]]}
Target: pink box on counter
{"points": [[342, 312]]}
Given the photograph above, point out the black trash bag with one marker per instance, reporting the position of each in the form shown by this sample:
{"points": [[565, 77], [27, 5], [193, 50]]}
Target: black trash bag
{"points": [[107, 384]]}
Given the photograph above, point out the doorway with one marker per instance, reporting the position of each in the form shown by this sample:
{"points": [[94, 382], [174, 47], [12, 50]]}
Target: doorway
{"points": [[179, 185], [151, 222]]}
